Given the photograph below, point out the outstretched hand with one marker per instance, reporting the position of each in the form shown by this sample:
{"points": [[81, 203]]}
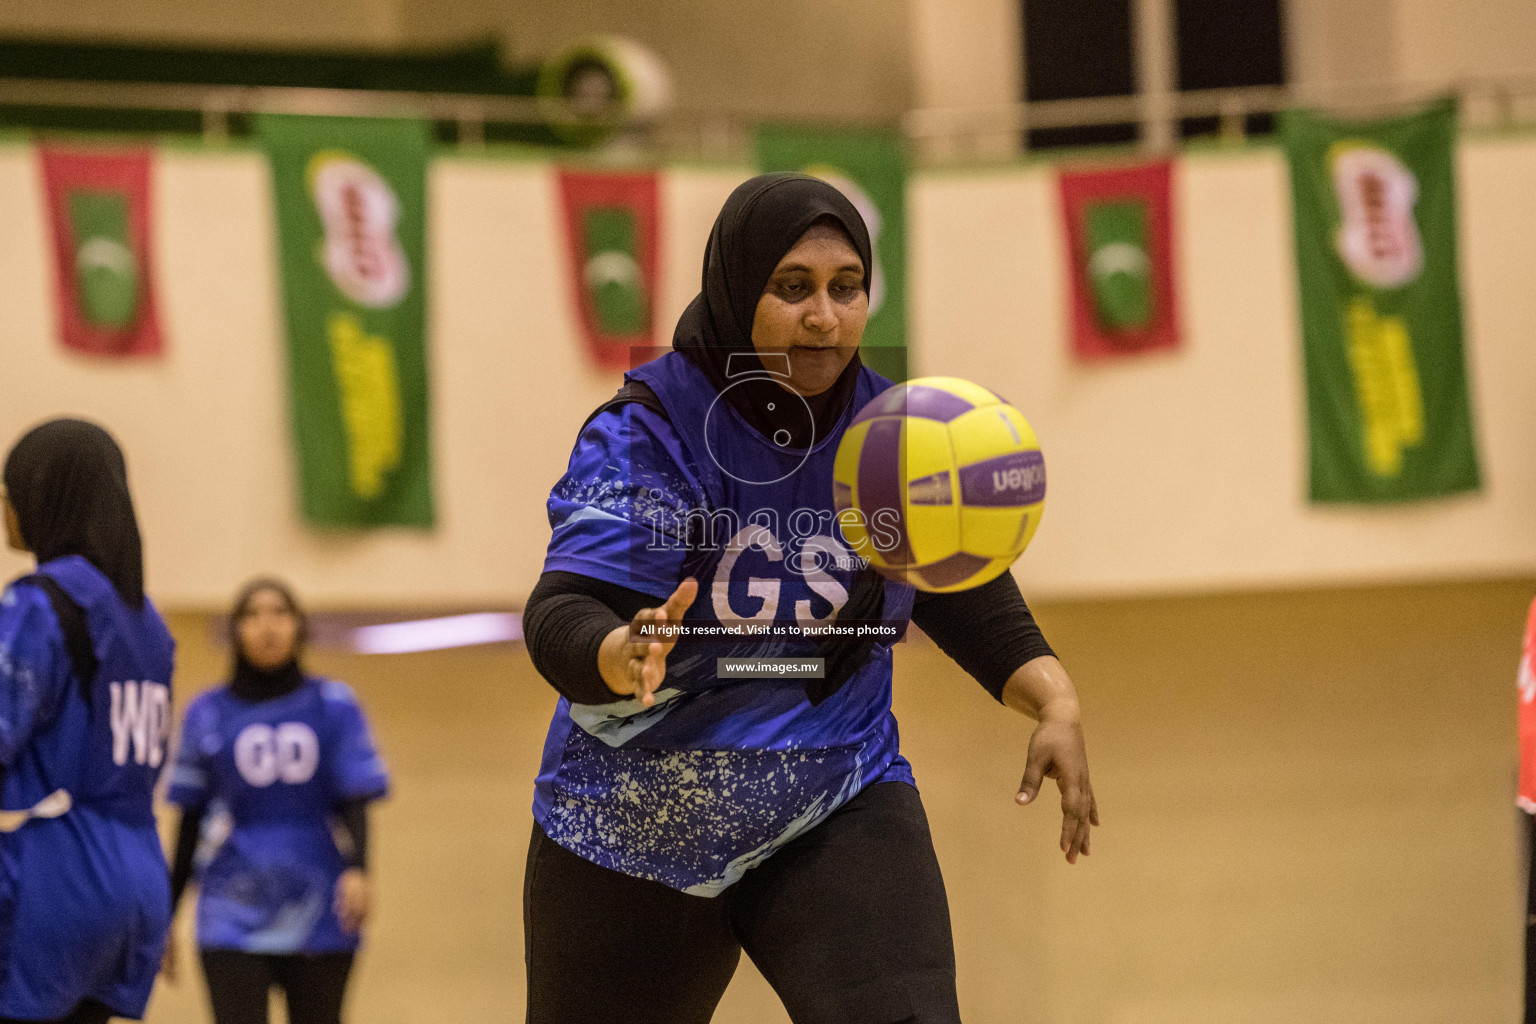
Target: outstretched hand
{"points": [[637, 667], [1057, 751]]}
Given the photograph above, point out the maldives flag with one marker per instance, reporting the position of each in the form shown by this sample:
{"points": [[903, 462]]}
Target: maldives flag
{"points": [[99, 215], [1119, 241], [610, 229]]}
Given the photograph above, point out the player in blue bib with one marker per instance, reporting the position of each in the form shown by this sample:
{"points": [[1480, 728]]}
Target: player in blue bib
{"points": [[275, 760], [683, 813], [85, 706]]}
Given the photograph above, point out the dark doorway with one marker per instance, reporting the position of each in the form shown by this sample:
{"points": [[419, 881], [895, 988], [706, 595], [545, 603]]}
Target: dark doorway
{"points": [[1228, 43], [1077, 50], [1087, 48]]}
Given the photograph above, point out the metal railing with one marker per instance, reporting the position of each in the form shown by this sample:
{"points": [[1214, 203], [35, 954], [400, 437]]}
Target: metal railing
{"points": [[938, 134], [217, 104]]}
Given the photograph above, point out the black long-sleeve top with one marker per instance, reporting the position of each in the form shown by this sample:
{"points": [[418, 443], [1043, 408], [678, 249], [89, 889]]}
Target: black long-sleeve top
{"points": [[988, 630]]}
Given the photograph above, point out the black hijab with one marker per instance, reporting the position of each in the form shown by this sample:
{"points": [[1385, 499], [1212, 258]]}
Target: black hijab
{"points": [[68, 483], [759, 223], [256, 684]]}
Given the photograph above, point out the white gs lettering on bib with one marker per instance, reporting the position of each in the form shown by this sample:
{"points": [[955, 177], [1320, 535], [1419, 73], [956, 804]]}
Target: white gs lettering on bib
{"points": [[809, 563], [141, 722], [265, 755]]}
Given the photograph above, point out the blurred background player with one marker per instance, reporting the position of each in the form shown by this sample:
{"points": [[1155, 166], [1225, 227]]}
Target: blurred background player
{"points": [[682, 817], [85, 707], [287, 757]]}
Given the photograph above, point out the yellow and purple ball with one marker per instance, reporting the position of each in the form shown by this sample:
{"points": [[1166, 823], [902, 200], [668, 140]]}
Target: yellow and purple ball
{"points": [[939, 483]]}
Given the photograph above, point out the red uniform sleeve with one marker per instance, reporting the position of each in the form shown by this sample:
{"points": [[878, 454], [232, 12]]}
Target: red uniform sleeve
{"points": [[1526, 797]]}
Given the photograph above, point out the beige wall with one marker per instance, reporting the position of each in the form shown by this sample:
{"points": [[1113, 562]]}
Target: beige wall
{"points": [[1328, 41], [1175, 472], [428, 22], [1444, 42], [795, 58], [966, 52], [337, 23], [1422, 42]]}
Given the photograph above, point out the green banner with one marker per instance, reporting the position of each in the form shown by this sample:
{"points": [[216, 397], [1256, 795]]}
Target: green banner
{"points": [[351, 219], [1375, 210], [870, 168]]}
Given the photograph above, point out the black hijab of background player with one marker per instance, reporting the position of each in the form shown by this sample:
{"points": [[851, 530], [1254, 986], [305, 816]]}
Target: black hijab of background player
{"points": [[759, 223], [68, 483], [246, 680]]}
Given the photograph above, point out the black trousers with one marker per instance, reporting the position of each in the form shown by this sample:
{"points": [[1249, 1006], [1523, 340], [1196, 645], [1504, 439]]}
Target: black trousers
{"points": [[1530, 920], [849, 923], [239, 983]]}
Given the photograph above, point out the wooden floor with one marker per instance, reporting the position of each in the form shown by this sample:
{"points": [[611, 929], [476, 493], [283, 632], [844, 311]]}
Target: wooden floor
{"points": [[1307, 801]]}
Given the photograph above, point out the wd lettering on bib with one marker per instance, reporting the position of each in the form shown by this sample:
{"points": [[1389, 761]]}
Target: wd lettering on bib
{"points": [[141, 720]]}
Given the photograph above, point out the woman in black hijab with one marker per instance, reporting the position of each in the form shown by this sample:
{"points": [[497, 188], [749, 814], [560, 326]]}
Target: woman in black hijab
{"points": [[67, 487], [715, 333], [85, 700], [684, 814], [282, 903]]}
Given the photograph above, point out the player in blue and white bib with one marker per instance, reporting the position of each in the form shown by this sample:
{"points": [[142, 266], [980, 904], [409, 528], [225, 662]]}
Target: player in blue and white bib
{"points": [[85, 706], [683, 814], [274, 760]]}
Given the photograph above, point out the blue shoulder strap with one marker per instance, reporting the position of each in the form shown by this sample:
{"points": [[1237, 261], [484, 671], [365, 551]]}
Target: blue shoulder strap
{"points": [[77, 634]]}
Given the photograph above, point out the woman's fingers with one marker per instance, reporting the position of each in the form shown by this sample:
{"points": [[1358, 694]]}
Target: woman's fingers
{"points": [[1074, 833], [639, 652], [1070, 820], [648, 658], [1079, 843], [681, 599], [653, 669], [1077, 813], [1035, 765], [1056, 752]]}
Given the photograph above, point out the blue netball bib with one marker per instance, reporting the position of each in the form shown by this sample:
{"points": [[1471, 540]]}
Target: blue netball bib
{"points": [[275, 771], [84, 899], [740, 766]]}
